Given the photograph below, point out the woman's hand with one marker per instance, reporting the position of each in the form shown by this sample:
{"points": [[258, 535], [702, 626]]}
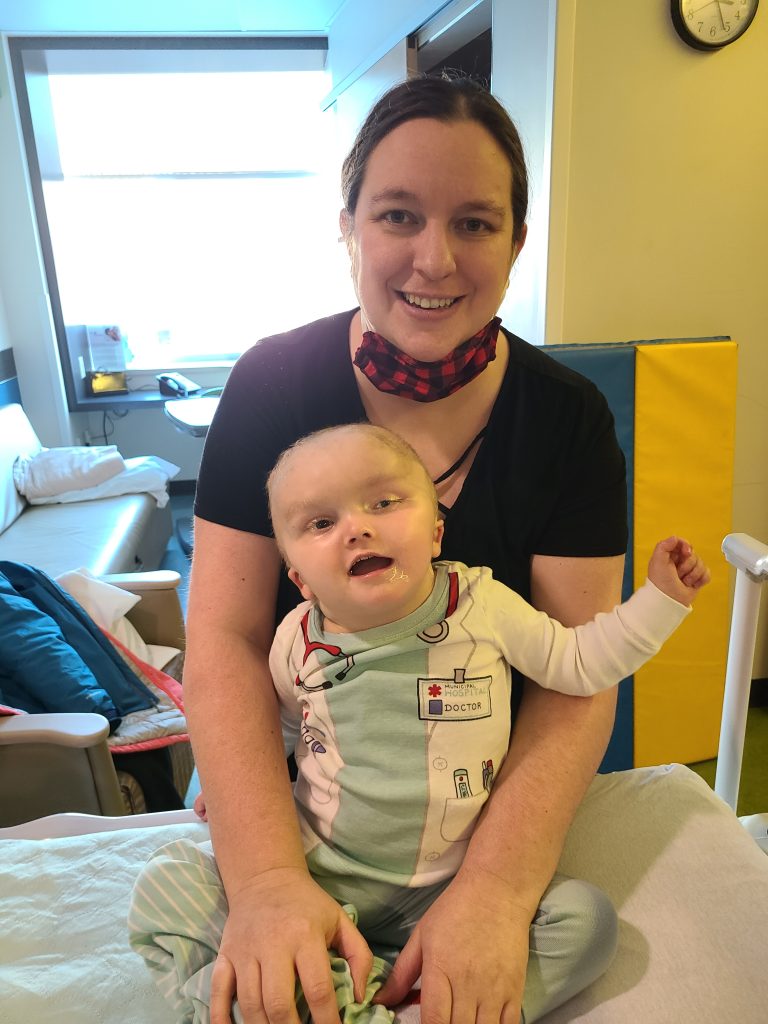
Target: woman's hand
{"points": [[280, 927], [471, 950]]}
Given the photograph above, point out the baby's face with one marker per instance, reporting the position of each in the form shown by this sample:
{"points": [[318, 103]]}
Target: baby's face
{"points": [[358, 528]]}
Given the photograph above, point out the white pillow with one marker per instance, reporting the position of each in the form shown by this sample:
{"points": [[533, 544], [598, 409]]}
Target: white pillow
{"points": [[147, 473], [107, 605]]}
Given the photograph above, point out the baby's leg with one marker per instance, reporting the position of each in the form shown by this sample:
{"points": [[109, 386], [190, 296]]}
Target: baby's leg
{"points": [[573, 940], [176, 921]]}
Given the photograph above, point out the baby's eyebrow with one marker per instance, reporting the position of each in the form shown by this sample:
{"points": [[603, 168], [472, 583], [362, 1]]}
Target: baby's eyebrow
{"points": [[383, 481], [299, 509], [302, 507]]}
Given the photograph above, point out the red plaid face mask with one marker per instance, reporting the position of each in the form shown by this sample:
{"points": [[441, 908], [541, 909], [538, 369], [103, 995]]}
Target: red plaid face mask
{"points": [[396, 373]]}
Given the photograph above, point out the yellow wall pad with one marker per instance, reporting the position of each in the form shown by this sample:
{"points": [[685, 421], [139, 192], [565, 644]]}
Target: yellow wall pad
{"points": [[685, 405]]}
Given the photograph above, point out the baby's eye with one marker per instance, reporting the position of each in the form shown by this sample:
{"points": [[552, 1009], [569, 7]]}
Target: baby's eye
{"points": [[387, 502], [320, 523]]}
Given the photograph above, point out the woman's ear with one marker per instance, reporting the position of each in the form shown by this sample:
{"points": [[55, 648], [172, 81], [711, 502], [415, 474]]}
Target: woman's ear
{"points": [[437, 538], [345, 226], [294, 577]]}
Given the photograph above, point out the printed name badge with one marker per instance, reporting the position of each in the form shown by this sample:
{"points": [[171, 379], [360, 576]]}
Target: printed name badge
{"points": [[454, 700]]}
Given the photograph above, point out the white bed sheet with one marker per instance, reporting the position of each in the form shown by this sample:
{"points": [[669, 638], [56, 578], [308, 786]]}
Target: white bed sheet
{"points": [[689, 884], [64, 955]]}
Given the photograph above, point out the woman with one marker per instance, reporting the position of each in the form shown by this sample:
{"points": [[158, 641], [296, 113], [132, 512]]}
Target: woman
{"points": [[531, 482]]}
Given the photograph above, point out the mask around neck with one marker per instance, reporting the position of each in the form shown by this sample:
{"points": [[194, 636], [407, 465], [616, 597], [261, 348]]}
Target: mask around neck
{"points": [[395, 373]]}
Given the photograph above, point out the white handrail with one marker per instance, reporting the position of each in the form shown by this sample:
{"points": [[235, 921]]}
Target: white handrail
{"points": [[750, 557]]}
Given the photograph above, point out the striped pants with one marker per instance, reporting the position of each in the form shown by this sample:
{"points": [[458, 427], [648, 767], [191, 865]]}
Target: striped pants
{"points": [[179, 909]]}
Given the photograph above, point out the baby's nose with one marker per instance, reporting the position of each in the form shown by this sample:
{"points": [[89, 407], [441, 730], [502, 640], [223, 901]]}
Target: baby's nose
{"points": [[358, 528]]}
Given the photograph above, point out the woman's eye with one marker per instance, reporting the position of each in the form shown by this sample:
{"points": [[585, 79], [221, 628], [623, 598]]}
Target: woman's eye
{"points": [[398, 217], [475, 226]]}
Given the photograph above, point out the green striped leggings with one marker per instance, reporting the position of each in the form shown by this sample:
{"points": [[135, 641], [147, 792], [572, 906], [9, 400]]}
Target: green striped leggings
{"points": [[178, 911]]}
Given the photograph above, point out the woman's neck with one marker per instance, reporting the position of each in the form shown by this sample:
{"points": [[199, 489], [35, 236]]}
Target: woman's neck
{"points": [[438, 431]]}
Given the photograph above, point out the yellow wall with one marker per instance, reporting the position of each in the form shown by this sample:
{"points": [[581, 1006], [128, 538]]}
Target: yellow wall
{"points": [[659, 219]]}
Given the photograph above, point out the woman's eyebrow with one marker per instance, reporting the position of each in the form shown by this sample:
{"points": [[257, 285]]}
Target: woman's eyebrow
{"points": [[402, 195], [394, 195], [484, 206]]}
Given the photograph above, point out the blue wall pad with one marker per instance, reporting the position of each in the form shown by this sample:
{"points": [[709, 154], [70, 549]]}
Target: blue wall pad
{"points": [[612, 368]]}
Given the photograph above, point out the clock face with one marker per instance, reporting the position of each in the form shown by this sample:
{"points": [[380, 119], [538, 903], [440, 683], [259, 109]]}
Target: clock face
{"points": [[711, 24]]}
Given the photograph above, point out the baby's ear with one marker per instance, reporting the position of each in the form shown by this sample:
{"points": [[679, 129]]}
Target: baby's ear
{"points": [[294, 577], [437, 539]]}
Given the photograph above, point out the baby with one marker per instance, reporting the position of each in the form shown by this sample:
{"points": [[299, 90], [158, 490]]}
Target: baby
{"points": [[394, 679]]}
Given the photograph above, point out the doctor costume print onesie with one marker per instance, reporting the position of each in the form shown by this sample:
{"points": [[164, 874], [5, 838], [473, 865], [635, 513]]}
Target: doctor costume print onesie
{"points": [[399, 732]]}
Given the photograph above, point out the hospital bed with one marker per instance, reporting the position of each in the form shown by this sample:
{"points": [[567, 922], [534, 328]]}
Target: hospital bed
{"points": [[689, 882]]}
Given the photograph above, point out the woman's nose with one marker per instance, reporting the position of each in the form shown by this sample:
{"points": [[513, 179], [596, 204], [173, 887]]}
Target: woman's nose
{"points": [[433, 254]]}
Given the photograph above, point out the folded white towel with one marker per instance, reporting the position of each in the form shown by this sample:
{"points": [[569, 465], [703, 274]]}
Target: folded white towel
{"points": [[147, 474], [53, 471]]}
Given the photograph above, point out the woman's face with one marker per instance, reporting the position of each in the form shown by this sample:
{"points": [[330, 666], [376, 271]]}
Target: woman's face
{"points": [[431, 241]]}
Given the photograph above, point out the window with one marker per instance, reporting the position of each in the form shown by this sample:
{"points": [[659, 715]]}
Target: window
{"points": [[186, 193]]}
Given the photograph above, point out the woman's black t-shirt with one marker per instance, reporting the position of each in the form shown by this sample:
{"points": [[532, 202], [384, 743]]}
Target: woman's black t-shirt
{"points": [[548, 477]]}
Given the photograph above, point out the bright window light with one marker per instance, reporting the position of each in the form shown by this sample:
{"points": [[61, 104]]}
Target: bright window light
{"points": [[196, 211]]}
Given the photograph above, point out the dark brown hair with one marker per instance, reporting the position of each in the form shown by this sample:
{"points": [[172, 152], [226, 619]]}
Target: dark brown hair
{"points": [[444, 99]]}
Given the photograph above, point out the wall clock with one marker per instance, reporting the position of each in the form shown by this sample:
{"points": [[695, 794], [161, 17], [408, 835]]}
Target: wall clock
{"points": [[712, 24]]}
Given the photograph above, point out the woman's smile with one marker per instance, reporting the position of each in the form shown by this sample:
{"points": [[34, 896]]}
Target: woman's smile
{"points": [[429, 302]]}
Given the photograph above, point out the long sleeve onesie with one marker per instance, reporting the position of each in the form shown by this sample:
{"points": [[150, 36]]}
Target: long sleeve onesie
{"points": [[400, 730]]}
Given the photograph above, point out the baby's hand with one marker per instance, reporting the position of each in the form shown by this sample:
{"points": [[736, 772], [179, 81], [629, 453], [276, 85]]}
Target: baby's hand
{"points": [[199, 806], [677, 570]]}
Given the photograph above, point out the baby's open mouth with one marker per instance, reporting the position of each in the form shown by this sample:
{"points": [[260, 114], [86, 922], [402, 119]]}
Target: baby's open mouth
{"points": [[368, 564]]}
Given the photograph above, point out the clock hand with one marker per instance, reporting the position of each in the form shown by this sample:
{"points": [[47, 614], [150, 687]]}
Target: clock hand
{"points": [[707, 4], [720, 12]]}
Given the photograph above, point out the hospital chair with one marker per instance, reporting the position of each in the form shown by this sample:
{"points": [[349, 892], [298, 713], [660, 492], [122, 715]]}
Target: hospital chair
{"points": [[51, 763]]}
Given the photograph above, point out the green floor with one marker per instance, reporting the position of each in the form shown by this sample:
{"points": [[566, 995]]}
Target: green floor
{"points": [[753, 791]]}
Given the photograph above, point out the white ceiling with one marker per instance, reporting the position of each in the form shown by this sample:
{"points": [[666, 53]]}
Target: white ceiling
{"points": [[84, 16]]}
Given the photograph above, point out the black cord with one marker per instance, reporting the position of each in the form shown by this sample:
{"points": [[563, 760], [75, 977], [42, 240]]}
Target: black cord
{"points": [[452, 469], [108, 418]]}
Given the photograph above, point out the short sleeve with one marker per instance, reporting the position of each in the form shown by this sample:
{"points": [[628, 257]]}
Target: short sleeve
{"points": [[278, 391], [589, 517], [245, 437]]}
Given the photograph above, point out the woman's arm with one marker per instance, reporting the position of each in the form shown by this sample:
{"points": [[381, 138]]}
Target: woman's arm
{"points": [[557, 745], [558, 740], [280, 921]]}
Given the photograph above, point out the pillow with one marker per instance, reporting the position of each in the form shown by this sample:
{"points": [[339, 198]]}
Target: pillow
{"points": [[108, 605], [55, 470], [105, 603], [148, 474]]}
